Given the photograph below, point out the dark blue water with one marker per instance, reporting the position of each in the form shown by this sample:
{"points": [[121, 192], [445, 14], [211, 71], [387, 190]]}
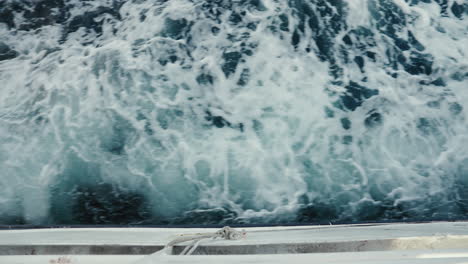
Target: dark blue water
{"points": [[233, 112]]}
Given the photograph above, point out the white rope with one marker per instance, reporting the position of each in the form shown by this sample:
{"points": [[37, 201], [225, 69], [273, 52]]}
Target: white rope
{"points": [[193, 247], [226, 232]]}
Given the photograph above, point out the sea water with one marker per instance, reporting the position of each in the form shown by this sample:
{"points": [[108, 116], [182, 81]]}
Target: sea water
{"points": [[225, 112]]}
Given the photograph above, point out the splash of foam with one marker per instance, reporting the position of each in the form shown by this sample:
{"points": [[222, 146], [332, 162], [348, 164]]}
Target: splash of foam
{"points": [[218, 112]]}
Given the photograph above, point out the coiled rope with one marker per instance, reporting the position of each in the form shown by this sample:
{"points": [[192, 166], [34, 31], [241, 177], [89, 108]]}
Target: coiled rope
{"points": [[226, 232]]}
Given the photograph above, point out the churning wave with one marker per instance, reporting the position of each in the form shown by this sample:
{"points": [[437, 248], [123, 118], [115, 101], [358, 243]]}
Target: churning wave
{"points": [[221, 112]]}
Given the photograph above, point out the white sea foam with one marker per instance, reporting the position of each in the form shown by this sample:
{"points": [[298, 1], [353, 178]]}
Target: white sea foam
{"points": [[128, 107]]}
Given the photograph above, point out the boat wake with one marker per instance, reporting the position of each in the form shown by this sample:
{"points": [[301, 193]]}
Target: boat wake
{"points": [[224, 112]]}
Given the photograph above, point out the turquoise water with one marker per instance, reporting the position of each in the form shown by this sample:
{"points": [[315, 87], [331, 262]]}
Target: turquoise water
{"points": [[222, 112]]}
